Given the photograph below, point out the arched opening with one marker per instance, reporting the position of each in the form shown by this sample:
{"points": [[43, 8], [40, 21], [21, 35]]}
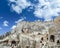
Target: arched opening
{"points": [[42, 39], [52, 38], [47, 38], [42, 44], [58, 42], [13, 42]]}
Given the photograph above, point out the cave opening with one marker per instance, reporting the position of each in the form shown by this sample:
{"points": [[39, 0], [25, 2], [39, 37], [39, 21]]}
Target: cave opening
{"points": [[13, 42], [52, 38], [58, 42]]}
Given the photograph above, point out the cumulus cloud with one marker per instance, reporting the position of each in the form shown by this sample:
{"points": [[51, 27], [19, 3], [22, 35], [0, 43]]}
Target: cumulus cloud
{"points": [[13, 27], [19, 5], [47, 9], [5, 23], [44, 9], [20, 20]]}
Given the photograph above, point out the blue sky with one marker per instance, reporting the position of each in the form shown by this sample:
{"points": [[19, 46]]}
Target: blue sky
{"points": [[14, 11]]}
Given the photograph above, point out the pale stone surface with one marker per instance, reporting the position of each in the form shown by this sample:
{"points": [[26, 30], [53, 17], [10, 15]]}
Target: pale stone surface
{"points": [[34, 35]]}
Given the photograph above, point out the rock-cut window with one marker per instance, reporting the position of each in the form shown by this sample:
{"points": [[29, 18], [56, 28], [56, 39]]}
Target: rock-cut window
{"points": [[52, 38]]}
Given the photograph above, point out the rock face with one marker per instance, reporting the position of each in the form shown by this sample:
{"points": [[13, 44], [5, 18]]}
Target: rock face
{"points": [[35, 34]]}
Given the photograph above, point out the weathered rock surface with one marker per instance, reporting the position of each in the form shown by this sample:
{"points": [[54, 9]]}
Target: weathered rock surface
{"points": [[35, 34]]}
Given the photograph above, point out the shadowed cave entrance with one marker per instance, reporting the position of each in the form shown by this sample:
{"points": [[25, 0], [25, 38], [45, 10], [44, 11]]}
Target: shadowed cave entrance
{"points": [[13, 42], [58, 42], [52, 38]]}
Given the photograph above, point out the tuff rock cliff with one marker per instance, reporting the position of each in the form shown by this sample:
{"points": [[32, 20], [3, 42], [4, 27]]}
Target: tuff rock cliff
{"points": [[33, 32]]}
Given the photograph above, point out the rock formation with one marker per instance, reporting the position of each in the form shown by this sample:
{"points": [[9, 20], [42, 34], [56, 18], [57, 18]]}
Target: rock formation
{"points": [[35, 34]]}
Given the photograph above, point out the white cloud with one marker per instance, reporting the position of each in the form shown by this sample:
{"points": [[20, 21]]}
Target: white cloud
{"points": [[44, 8], [47, 9], [12, 0], [5, 23], [20, 20], [13, 27], [31, 8], [16, 8], [20, 5]]}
